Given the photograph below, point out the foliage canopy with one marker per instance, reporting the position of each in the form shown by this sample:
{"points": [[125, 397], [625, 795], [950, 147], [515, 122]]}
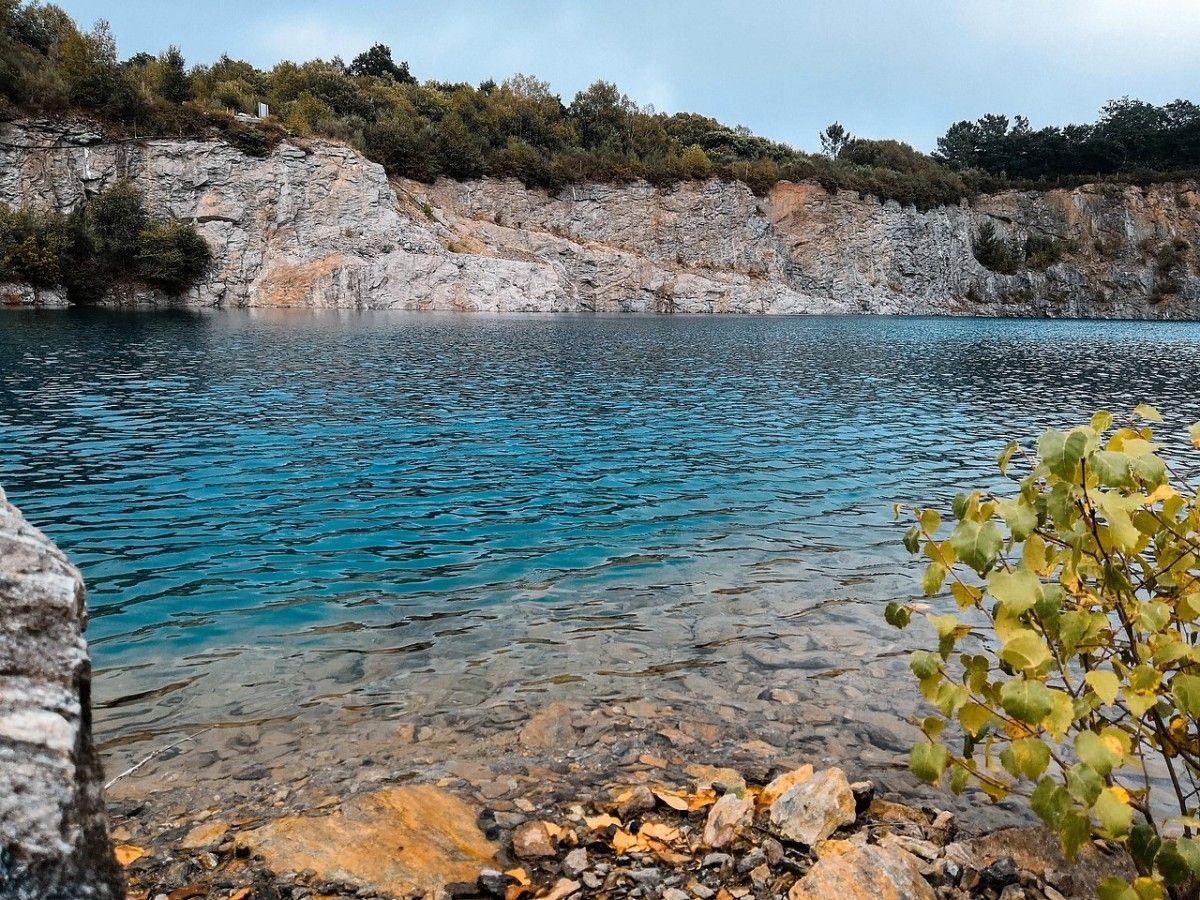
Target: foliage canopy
{"points": [[520, 128], [1070, 671]]}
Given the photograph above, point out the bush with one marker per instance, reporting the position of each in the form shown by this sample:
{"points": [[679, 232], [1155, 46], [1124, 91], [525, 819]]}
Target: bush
{"points": [[1043, 251], [34, 247], [108, 240], [172, 256], [695, 162], [993, 251], [1170, 262], [1086, 576], [116, 219]]}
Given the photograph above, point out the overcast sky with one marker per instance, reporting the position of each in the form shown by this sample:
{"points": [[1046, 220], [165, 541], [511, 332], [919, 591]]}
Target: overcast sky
{"points": [[884, 68]]}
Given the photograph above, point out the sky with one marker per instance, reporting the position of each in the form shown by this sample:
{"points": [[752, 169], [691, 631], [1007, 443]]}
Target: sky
{"points": [[883, 68]]}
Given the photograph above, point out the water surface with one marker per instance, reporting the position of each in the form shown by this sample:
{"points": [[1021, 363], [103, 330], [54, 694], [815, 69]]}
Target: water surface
{"points": [[418, 515]]}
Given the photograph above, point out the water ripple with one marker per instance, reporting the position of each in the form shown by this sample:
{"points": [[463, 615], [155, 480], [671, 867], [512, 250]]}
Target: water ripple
{"points": [[475, 504]]}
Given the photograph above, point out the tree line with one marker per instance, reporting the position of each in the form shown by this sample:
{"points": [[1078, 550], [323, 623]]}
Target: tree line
{"points": [[520, 128]]}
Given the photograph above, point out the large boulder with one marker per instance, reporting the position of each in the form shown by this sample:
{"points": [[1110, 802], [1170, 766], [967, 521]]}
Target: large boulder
{"points": [[54, 842], [864, 872], [397, 842], [813, 808]]}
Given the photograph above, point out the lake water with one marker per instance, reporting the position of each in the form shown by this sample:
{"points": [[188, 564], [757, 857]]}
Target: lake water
{"points": [[283, 516]]}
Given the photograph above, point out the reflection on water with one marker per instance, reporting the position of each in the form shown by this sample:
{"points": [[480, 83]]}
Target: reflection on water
{"points": [[404, 514]]}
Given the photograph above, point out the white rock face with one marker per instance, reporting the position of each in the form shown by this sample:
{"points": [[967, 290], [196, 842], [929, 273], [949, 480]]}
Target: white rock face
{"points": [[54, 842], [319, 226]]}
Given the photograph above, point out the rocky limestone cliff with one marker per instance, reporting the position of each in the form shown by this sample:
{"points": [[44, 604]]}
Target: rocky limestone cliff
{"points": [[315, 225], [54, 842]]}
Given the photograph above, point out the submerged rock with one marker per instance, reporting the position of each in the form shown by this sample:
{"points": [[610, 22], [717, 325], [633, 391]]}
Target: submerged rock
{"points": [[395, 841], [54, 841]]}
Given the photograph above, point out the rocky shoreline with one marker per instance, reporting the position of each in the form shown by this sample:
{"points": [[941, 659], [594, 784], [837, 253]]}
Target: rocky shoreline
{"points": [[668, 831]]}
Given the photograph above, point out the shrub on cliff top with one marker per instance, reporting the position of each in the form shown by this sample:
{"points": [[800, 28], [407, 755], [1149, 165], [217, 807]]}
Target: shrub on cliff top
{"points": [[1085, 578]]}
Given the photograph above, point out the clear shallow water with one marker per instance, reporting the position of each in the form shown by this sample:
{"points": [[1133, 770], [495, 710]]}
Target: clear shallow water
{"points": [[405, 513]]}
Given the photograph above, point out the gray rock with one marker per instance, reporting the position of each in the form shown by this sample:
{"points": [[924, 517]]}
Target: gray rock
{"points": [[751, 860], [53, 829], [813, 809], [645, 877], [494, 882], [729, 816], [575, 863]]}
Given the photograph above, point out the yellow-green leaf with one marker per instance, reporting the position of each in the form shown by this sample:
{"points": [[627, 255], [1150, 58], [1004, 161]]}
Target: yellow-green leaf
{"points": [[1186, 691], [1062, 452], [977, 544], [1025, 650], [1026, 757], [1114, 813], [1104, 683], [1026, 700], [934, 578], [974, 718], [928, 761], [1098, 753], [1017, 590], [1005, 456], [1147, 412]]}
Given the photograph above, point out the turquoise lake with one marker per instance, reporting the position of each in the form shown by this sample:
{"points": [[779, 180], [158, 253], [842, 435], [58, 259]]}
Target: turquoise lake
{"points": [[277, 511]]}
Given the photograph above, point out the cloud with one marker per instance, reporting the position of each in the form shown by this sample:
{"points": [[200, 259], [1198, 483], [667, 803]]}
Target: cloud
{"points": [[1095, 33], [310, 37]]}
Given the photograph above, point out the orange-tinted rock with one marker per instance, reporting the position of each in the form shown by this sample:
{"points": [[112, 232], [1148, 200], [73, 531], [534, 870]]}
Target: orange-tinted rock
{"points": [[783, 784], [863, 873], [203, 836], [395, 841]]}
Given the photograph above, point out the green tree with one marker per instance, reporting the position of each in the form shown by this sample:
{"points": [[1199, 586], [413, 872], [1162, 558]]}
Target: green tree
{"points": [[457, 151], [378, 62], [172, 256], [833, 139], [174, 85], [116, 219]]}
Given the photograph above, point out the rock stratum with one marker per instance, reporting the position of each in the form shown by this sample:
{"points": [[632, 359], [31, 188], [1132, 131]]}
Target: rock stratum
{"points": [[314, 224], [54, 841]]}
